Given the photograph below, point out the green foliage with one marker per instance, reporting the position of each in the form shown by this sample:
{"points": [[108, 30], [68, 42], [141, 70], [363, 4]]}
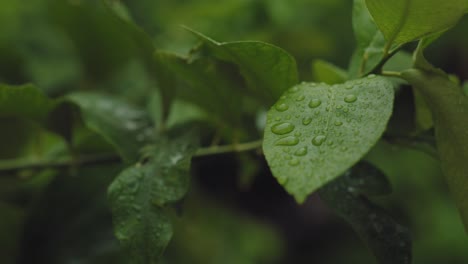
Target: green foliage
{"points": [[267, 69], [370, 41], [389, 241], [449, 108], [109, 95], [404, 21], [315, 132], [138, 197], [126, 127]]}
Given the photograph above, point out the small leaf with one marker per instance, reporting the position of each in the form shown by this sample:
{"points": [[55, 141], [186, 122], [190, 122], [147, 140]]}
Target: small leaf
{"points": [[139, 194], [403, 21], [449, 107], [25, 101], [126, 127], [370, 41], [267, 69], [389, 241], [206, 83], [315, 132], [328, 73]]}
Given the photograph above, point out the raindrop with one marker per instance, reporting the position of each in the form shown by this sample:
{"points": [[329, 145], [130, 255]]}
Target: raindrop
{"points": [[282, 107], [294, 89], [294, 162], [338, 123], [318, 140], [306, 121], [301, 152], [348, 86], [350, 98], [287, 141], [300, 98], [314, 103], [371, 76], [282, 128]]}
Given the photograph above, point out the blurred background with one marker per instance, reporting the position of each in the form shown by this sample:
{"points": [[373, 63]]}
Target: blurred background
{"points": [[235, 212]]}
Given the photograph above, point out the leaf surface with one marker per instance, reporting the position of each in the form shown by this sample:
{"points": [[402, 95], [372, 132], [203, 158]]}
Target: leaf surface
{"points": [[267, 69], [403, 21], [126, 127], [449, 108], [139, 194], [315, 132], [370, 41]]}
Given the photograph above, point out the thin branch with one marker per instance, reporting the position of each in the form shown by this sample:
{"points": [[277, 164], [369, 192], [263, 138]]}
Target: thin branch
{"points": [[23, 164], [28, 164], [229, 148]]}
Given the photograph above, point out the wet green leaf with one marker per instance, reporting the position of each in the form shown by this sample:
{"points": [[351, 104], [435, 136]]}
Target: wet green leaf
{"points": [[403, 21], [125, 126], [267, 69], [389, 241], [315, 132], [139, 194]]}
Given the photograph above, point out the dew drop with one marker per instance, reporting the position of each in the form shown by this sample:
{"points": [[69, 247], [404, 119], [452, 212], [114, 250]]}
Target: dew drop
{"points": [[350, 98], [314, 103], [300, 98], [318, 140], [287, 141], [282, 107], [294, 162], [371, 76], [282, 128], [306, 121], [301, 152], [338, 123], [348, 86]]}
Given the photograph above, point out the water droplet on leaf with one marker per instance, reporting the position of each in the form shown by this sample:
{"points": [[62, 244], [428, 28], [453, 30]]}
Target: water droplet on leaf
{"points": [[282, 128], [287, 141], [350, 98], [318, 140], [314, 103]]}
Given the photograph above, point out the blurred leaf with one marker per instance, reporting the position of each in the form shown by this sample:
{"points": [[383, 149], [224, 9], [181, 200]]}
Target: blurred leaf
{"points": [[208, 84], [139, 194], [126, 127], [403, 21], [389, 241], [370, 41], [316, 131], [449, 107], [465, 88], [328, 73], [268, 70]]}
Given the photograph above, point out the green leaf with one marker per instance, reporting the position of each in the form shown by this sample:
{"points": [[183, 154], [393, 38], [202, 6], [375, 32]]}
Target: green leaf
{"points": [[267, 69], [370, 41], [139, 194], [389, 241], [328, 73], [403, 21], [315, 132], [25, 101], [449, 107], [208, 84], [126, 127]]}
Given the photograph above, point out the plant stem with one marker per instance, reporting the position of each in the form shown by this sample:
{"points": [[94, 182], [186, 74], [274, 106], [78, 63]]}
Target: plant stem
{"points": [[28, 164], [229, 148]]}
